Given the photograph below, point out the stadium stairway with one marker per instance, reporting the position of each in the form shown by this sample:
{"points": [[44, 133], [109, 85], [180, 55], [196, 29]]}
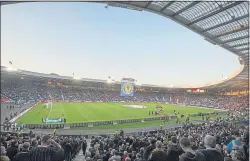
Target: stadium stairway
{"points": [[80, 155]]}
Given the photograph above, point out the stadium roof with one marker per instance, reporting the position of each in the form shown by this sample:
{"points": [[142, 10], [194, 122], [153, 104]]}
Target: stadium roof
{"points": [[222, 23]]}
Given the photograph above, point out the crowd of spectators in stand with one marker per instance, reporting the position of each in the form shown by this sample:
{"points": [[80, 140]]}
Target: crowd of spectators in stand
{"points": [[39, 148], [211, 141], [218, 140], [33, 93], [174, 145], [211, 100]]}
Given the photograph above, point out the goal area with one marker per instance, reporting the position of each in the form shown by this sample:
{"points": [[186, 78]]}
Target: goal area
{"points": [[48, 105]]}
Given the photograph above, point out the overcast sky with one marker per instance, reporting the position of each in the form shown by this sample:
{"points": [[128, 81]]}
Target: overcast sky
{"points": [[94, 42]]}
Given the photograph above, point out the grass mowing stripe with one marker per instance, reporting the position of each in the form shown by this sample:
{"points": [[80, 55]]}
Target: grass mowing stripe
{"points": [[90, 112]]}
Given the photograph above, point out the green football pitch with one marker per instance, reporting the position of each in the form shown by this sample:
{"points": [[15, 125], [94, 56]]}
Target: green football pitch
{"points": [[91, 112]]}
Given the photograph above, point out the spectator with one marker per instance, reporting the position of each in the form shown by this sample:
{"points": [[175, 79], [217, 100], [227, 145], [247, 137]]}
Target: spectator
{"points": [[211, 153], [190, 154], [44, 152], [138, 157], [3, 156], [173, 150], [158, 154], [125, 155], [234, 143], [237, 156], [115, 157], [149, 149], [12, 150], [84, 146], [24, 154], [68, 149]]}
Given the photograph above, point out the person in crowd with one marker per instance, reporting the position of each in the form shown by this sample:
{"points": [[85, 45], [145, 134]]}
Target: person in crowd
{"points": [[84, 146], [211, 153], [46, 151], [149, 149], [125, 155], [158, 154], [189, 153], [237, 156], [115, 157], [3, 156], [138, 157], [68, 149], [173, 150], [12, 150], [235, 143], [23, 155]]}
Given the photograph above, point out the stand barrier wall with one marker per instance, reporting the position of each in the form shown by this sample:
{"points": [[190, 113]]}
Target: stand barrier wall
{"points": [[99, 123]]}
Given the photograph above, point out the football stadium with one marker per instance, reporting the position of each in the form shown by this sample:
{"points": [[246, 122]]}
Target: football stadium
{"points": [[72, 118]]}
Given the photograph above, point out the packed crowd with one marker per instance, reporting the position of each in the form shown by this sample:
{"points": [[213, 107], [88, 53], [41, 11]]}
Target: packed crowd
{"points": [[214, 101], [39, 148], [21, 94], [219, 140], [211, 141]]}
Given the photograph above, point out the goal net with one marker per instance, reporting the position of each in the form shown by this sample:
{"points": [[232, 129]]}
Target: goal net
{"points": [[48, 105]]}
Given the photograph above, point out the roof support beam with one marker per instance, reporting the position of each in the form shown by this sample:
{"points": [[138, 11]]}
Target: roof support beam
{"points": [[148, 4], [166, 6], [6, 3], [235, 39], [243, 49], [185, 8], [231, 32], [246, 51], [237, 45], [226, 23], [215, 12]]}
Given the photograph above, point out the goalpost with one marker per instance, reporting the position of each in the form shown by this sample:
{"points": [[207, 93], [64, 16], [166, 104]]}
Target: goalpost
{"points": [[49, 105]]}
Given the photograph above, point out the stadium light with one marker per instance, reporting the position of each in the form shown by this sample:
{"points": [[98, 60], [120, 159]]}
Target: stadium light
{"points": [[11, 69], [110, 80], [76, 78], [137, 83], [225, 78]]}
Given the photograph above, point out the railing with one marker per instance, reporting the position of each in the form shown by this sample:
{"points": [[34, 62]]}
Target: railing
{"points": [[111, 122]]}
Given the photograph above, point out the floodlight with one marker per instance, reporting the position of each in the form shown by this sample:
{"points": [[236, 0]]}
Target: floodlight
{"points": [[224, 78], [76, 78], [11, 69], [110, 79], [137, 83]]}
